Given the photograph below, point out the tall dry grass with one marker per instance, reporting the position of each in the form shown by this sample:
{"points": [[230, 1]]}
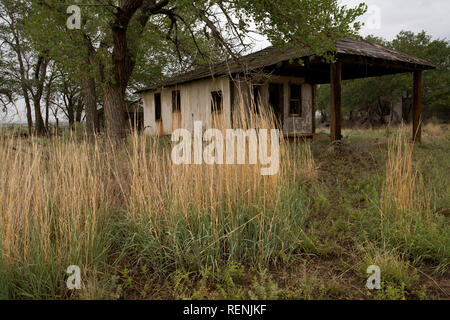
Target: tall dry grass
{"points": [[409, 222], [404, 191], [54, 198], [200, 214], [67, 201]]}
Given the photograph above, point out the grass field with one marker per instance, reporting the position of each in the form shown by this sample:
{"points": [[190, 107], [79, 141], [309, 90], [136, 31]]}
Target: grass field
{"points": [[140, 227]]}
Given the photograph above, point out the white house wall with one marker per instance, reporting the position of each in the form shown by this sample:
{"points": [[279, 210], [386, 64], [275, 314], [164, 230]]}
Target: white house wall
{"points": [[303, 124], [196, 104], [291, 125], [195, 100], [149, 113]]}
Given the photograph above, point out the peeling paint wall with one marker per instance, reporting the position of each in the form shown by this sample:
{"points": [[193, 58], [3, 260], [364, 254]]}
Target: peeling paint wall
{"points": [[301, 124], [291, 125], [195, 100]]}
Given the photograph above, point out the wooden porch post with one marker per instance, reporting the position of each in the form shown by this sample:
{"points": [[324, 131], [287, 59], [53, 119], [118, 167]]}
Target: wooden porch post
{"points": [[313, 108], [417, 107], [336, 100]]}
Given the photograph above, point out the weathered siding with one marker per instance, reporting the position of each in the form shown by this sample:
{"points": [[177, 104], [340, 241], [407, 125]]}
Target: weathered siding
{"points": [[195, 100], [303, 124], [291, 125]]}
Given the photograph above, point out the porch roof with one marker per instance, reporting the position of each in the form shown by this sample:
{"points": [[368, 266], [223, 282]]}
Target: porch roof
{"points": [[360, 59]]}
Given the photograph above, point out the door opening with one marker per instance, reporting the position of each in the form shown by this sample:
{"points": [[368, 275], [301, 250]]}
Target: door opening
{"points": [[276, 101]]}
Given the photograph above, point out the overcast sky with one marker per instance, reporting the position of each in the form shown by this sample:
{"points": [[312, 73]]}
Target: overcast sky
{"points": [[385, 18], [414, 15]]}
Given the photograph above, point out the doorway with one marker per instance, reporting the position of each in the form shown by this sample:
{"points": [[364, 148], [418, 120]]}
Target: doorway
{"points": [[276, 101]]}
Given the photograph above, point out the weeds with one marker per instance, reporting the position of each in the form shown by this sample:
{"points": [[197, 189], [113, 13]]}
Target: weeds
{"points": [[140, 227]]}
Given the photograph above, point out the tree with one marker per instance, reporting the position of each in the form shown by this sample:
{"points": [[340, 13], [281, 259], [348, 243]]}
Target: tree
{"points": [[16, 52], [436, 82], [72, 101], [74, 52], [116, 30], [25, 68]]}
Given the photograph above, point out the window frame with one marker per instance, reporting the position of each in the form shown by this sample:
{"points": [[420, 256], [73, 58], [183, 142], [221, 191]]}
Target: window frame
{"points": [[176, 101], [214, 96], [298, 100], [257, 96], [158, 107]]}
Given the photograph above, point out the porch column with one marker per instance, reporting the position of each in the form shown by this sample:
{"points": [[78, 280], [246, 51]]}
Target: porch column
{"points": [[417, 107], [336, 100], [313, 108]]}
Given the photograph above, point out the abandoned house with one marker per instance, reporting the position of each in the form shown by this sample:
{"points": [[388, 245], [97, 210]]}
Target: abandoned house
{"points": [[275, 79]]}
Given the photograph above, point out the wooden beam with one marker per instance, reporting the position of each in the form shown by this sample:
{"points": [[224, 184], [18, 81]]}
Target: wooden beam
{"points": [[336, 100], [378, 62], [417, 107], [313, 107]]}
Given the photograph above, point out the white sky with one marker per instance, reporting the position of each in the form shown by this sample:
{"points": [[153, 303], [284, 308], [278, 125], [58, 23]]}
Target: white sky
{"points": [[385, 18], [412, 15]]}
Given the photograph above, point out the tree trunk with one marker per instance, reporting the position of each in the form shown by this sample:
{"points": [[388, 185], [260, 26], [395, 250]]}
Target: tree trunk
{"points": [[39, 76], [29, 112], [46, 114], [323, 117], [124, 61], [70, 113], [47, 99], [79, 110], [40, 125], [90, 103], [25, 93], [23, 82], [115, 111]]}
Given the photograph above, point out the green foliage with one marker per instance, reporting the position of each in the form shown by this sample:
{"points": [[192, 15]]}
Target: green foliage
{"points": [[391, 291], [437, 51], [311, 26], [13, 45], [172, 43], [264, 288], [200, 240]]}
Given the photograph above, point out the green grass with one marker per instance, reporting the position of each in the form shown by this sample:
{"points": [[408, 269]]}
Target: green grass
{"points": [[336, 229], [315, 242]]}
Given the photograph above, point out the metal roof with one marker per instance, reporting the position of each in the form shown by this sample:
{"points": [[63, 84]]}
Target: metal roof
{"points": [[272, 56], [365, 48]]}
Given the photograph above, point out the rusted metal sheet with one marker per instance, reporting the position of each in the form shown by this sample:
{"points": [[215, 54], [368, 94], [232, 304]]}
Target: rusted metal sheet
{"points": [[368, 49], [272, 57]]}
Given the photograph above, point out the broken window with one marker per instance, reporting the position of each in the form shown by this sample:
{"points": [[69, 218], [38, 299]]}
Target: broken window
{"points": [[257, 97], [158, 107], [216, 102], [295, 105], [276, 100], [176, 101]]}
